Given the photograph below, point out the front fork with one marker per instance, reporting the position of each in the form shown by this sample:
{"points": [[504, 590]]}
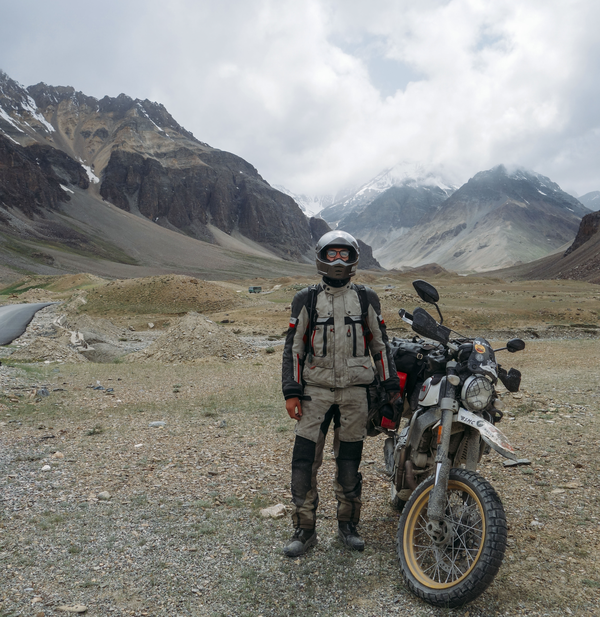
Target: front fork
{"points": [[437, 497]]}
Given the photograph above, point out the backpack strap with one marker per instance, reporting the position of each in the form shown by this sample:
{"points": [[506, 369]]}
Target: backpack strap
{"points": [[364, 305], [311, 305]]}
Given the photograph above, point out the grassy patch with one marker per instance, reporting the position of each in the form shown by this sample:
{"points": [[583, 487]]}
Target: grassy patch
{"points": [[96, 430], [591, 583]]}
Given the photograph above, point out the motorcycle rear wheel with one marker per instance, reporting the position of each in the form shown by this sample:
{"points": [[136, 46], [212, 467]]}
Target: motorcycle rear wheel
{"points": [[459, 567]]}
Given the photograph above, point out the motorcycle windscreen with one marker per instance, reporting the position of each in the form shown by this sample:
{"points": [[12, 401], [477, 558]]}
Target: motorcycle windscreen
{"points": [[482, 360], [493, 436]]}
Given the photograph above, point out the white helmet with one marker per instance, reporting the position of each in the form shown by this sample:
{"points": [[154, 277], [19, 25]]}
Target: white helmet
{"points": [[337, 269]]}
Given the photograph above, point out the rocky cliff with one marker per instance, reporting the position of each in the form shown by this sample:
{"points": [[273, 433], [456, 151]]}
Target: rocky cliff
{"points": [[218, 190], [32, 179], [588, 228], [141, 160]]}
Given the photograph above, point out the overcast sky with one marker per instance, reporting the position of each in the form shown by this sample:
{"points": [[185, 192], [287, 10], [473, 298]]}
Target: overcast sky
{"points": [[322, 94]]}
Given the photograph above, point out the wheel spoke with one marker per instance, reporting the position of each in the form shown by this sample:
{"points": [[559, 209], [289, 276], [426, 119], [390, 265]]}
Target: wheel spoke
{"points": [[444, 564], [452, 566]]}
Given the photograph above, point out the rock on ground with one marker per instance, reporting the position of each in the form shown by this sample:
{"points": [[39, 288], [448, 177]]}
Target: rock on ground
{"points": [[193, 337], [41, 349]]}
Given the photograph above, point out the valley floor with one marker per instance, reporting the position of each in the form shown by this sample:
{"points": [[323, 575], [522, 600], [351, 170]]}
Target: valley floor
{"points": [[179, 532], [135, 488]]}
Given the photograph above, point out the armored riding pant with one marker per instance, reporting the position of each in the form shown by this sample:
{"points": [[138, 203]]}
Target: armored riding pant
{"points": [[347, 408]]}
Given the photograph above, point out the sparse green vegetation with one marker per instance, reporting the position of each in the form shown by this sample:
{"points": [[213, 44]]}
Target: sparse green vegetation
{"points": [[96, 430], [185, 500]]}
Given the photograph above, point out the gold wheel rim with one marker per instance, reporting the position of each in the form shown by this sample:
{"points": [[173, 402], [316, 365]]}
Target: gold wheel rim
{"points": [[417, 554]]}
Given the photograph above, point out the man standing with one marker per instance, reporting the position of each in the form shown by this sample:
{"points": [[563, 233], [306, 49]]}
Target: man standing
{"points": [[335, 336]]}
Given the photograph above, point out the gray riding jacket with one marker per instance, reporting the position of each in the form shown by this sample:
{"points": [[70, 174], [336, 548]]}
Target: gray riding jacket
{"points": [[345, 347]]}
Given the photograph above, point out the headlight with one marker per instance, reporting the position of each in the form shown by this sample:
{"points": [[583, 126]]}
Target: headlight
{"points": [[477, 393]]}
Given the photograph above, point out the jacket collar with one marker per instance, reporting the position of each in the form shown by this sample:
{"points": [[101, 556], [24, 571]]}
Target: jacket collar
{"points": [[334, 291]]}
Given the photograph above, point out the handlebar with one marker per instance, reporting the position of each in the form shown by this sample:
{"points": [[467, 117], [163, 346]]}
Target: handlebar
{"points": [[405, 316]]}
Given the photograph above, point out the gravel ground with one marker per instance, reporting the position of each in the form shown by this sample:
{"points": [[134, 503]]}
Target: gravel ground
{"points": [[103, 509], [180, 532]]}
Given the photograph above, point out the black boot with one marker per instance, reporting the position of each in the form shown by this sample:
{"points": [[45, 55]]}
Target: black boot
{"points": [[349, 536], [300, 542]]}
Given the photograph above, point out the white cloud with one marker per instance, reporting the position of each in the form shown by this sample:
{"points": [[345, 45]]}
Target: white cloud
{"points": [[305, 91]]}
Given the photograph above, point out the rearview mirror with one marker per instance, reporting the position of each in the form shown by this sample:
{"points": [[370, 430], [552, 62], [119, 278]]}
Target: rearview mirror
{"points": [[427, 293], [515, 344]]}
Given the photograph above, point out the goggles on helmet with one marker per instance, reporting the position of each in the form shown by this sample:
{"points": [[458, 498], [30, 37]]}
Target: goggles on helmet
{"points": [[343, 253]]}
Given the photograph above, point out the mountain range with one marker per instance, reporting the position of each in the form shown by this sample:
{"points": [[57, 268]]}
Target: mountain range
{"points": [[311, 205], [69, 163], [116, 186], [591, 200], [499, 218], [403, 174]]}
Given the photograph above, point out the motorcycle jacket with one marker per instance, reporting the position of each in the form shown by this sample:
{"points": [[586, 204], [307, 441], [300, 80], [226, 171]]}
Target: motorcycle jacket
{"points": [[336, 339]]}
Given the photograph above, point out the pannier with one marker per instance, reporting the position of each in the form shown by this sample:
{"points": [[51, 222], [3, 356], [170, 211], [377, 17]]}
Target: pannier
{"points": [[410, 358]]}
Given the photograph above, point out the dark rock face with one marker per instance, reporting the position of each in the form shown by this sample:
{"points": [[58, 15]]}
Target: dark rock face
{"points": [[367, 261], [318, 227], [30, 178], [222, 190], [55, 163], [588, 228]]}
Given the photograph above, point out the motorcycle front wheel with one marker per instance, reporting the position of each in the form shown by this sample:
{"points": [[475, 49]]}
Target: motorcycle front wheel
{"points": [[457, 566]]}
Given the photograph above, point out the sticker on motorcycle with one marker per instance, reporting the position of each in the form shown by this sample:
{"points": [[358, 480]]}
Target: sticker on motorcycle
{"points": [[493, 436], [479, 348]]}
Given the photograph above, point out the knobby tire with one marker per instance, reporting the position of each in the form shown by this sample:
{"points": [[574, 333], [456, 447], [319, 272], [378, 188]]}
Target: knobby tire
{"points": [[463, 566]]}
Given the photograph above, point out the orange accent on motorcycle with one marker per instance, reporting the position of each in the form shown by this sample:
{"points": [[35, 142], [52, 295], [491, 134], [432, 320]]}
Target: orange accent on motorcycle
{"points": [[479, 348]]}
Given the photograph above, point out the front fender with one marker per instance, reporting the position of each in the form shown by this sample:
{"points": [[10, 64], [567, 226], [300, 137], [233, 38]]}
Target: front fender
{"points": [[493, 436]]}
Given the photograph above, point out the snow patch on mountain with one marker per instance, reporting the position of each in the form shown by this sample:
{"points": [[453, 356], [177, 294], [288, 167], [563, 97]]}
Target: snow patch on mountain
{"points": [[311, 205], [92, 177], [8, 119], [30, 107], [404, 173]]}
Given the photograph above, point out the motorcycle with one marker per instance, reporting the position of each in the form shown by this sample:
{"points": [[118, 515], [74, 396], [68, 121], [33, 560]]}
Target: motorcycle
{"points": [[452, 532]]}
